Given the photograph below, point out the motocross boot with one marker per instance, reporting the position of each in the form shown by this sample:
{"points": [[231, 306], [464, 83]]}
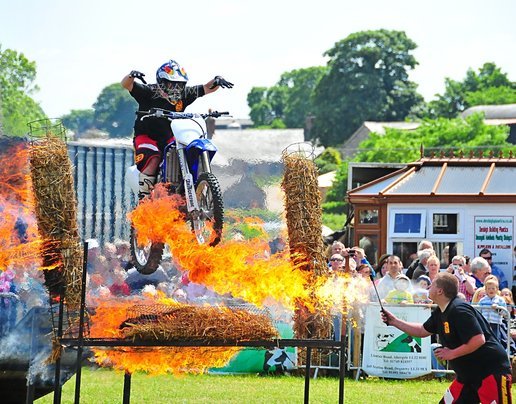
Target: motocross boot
{"points": [[146, 183]]}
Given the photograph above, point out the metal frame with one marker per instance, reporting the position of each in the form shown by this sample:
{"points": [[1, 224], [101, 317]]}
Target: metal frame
{"points": [[80, 342]]}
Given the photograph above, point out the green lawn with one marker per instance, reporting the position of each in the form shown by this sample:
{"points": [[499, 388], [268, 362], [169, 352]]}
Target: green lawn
{"points": [[105, 386]]}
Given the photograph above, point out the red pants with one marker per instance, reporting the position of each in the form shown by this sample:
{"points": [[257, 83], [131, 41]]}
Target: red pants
{"points": [[146, 148], [493, 389]]}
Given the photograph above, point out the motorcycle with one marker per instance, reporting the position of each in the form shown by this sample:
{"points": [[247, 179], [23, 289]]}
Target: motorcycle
{"points": [[185, 168]]}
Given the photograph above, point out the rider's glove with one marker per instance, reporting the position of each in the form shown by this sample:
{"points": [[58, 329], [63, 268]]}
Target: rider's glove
{"points": [[219, 81], [136, 74]]}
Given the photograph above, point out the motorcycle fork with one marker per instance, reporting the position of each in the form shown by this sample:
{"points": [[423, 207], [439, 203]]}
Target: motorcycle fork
{"points": [[205, 162], [191, 198]]}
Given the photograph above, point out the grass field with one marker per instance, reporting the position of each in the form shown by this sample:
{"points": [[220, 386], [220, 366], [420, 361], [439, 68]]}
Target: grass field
{"points": [[106, 386]]}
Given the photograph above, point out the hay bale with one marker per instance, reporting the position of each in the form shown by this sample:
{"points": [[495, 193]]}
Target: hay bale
{"points": [[56, 214], [304, 222], [206, 323]]}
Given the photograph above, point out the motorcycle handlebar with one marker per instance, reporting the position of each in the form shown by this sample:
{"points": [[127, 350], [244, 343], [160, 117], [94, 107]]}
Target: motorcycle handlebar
{"points": [[170, 115]]}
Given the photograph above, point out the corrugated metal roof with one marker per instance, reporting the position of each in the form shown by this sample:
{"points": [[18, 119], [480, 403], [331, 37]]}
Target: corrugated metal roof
{"points": [[453, 176]]}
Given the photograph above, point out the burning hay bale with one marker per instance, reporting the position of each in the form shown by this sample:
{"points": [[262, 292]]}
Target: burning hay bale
{"points": [[205, 323], [56, 213], [304, 222]]}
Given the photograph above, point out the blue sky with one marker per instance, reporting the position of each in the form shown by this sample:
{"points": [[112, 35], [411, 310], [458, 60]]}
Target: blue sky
{"points": [[81, 46]]}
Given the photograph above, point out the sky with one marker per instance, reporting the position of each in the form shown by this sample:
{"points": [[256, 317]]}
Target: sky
{"points": [[82, 46]]}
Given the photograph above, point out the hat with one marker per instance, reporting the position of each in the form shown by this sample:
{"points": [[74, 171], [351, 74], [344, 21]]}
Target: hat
{"points": [[424, 278], [382, 260]]}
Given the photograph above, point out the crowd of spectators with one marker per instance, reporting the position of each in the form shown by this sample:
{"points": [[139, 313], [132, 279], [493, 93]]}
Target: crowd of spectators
{"points": [[481, 283]]}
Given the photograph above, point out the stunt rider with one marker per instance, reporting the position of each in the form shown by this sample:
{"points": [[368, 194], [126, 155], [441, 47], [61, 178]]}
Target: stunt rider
{"points": [[153, 134]]}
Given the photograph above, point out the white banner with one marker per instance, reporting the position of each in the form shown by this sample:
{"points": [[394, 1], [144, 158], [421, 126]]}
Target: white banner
{"points": [[389, 352], [496, 233]]}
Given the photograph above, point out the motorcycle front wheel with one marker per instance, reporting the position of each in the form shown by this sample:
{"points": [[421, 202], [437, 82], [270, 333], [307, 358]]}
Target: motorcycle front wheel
{"points": [[146, 258], [211, 210]]}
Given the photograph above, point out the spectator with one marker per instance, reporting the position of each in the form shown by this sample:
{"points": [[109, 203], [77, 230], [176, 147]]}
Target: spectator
{"points": [[492, 300], [480, 269], [119, 286], [445, 257], [479, 294], [360, 258], [422, 266], [420, 295], [381, 268], [364, 270], [507, 296], [434, 267], [123, 253], [466, 282], [386, 283], [400, 294], [336, 248], [488, 256], [423, 245], [336, 263]]}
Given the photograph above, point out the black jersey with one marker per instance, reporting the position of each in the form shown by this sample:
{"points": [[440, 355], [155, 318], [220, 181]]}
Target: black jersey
{"points": [[456, 326], [148, 96]]}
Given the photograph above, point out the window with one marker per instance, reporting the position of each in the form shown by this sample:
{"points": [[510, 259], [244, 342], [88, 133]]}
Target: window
{"points": [[409, 223], [444, 223], [368, 216]]}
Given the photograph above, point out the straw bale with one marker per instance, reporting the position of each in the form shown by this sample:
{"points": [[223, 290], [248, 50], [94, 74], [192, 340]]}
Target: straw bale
{"points": [[207, 323], [56, 213], [304, 222]]}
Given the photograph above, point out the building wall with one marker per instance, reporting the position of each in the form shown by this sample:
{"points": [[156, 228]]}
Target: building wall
{"points": [[495, 223]]}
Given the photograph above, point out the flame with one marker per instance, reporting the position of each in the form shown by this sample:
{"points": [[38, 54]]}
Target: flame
{"points": [[106, 321], [19, 241], [242, 268]]}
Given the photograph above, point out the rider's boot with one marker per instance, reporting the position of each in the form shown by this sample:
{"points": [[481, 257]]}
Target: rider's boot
{"points": [[146, 183]]}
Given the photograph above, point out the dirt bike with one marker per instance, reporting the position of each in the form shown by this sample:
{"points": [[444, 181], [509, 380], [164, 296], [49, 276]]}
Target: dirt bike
{"points": [[185, 168]]}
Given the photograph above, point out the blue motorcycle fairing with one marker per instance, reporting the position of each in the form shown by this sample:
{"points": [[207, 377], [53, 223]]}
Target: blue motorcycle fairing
{"points": [[194, 150]]}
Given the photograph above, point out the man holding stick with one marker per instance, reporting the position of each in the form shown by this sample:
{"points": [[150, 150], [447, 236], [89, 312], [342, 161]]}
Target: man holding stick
{"points": [[483, 371]]}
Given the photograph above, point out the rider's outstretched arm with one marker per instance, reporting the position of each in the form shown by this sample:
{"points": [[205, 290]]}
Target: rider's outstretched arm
{"points": [[210, 87], [213, 85], [127, 82]]}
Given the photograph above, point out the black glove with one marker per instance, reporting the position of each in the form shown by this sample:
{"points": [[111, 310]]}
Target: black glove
{"points": [[137, 75], [219, 81]]}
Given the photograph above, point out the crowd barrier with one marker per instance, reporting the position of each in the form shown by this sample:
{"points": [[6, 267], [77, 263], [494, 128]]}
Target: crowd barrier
{"points": [[388, 352]]}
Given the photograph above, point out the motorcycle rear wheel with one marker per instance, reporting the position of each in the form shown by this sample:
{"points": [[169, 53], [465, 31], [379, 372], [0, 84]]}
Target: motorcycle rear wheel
{"points": [[211, 209], [145, 259]]}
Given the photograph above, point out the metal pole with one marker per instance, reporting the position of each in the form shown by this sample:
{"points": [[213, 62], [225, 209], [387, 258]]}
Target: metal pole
{"points": [[30, 384], [127, 388], [342, 370], [57, 375], [81, 323], [307, 374]]}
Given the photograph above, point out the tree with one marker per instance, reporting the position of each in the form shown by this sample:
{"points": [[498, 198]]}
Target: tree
{"points": [[289, 100], [79, 120], [17, 75], [401, 146], [328, 160], [367, 79], [114, 111], [489, 86]]}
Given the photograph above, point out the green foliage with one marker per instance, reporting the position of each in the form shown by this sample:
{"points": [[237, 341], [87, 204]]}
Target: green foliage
{"points": [[114, 111], [17, 75], [398, 146], [337, 192], [328, 160], [79, 120], [233, 215], [334, 221], [489, 86], [367, 80], [336, 207], [287, 103]]}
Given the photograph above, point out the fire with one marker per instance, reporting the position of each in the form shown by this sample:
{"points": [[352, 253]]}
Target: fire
{"points": [[19, 241], [106, 321], [242, 268]]}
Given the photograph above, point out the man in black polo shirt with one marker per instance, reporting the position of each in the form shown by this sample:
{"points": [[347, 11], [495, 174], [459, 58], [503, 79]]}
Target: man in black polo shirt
{"points": [[483, 371]]}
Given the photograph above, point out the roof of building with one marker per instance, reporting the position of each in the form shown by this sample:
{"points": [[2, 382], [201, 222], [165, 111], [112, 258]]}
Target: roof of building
{"points": [[493, 112], [446, 176]]}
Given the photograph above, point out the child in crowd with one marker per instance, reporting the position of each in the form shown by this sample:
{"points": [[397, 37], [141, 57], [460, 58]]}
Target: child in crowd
{"points": [[400, 293], [492, 300], [420, 295], [507, 296], [479, 294]]}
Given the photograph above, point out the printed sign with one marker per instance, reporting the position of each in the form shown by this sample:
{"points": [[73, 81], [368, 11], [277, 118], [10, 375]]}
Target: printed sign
{"points": [[496, 233], [389, 352]]}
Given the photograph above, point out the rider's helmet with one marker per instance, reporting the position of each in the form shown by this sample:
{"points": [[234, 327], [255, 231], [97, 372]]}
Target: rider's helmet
{"points": [[172, 79]]}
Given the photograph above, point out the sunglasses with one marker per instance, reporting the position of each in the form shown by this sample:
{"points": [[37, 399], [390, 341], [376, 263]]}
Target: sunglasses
{"points": [[488, 258]]}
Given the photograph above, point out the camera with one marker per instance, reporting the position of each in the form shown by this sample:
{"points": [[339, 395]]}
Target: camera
{"points": [[352, 253], [455, 267]]}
